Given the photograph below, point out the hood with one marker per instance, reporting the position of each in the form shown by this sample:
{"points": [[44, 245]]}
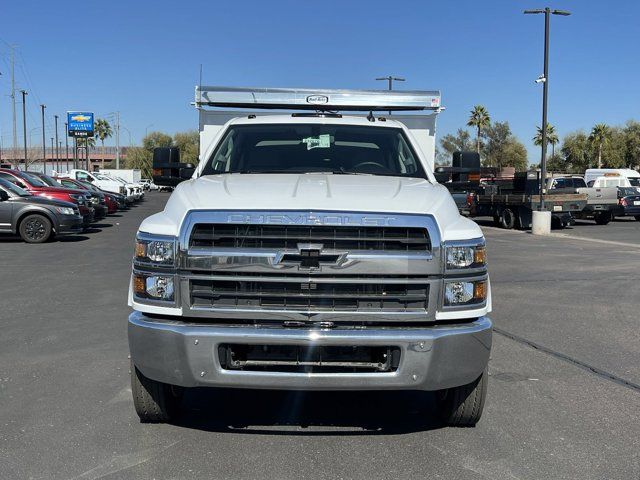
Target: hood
{"points": [[33, 199], [313, 192], [59, 190]]}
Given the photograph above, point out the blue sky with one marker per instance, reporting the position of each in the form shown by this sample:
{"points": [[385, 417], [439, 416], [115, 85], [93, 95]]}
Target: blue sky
{"points": [[142, 57]]}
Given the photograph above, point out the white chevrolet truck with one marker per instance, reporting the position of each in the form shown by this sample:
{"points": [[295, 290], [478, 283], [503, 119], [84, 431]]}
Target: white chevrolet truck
{"points": [[310, 250]]}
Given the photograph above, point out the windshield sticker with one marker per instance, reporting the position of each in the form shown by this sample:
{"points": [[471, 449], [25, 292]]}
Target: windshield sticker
{"points": [[321, 141]]}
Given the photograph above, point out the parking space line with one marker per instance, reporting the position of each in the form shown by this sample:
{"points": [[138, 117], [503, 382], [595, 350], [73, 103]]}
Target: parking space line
{"points": [[561, 356]]}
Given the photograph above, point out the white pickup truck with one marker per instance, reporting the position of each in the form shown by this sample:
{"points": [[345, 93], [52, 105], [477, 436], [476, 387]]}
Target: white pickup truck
{"points": [[108, 183], [311, 251]]}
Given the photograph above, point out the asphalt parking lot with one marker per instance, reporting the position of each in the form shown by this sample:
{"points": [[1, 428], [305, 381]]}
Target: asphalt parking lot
{"points": [[563, 397]]}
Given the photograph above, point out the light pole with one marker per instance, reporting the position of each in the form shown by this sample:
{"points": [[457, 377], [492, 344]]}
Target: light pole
{"points": [[545, 90], [66, 143], [24, 125], [44, 141], [391, 79], [57, 150], [45, 170]]}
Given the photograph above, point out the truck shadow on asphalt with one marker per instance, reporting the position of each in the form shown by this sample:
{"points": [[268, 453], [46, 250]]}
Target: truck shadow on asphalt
{"points": [[308, 413]]}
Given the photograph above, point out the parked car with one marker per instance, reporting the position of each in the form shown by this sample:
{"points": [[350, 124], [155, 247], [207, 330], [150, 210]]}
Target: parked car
{"points": [[39, 188], [148, 184], [97, 200], [629, 199], [35, 219], [106, 201]]}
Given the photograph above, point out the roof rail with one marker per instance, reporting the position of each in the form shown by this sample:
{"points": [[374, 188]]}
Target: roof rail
{"points": [[319, 100]]}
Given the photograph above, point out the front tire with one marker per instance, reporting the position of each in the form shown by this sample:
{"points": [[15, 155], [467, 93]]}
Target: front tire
{"points": [[637, 217], [155, 402], [35, 228], [462, 406]]}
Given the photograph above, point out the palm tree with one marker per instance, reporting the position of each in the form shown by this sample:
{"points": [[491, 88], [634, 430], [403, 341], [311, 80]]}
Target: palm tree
{"points": [[480, 119], [552, 138], [600, 134], [103, 130]]}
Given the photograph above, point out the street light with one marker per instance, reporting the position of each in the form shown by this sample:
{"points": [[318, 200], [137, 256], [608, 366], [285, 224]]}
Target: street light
{"points": [[391, 79], [24, 125], [44, 141], [544, 79], [57, 150]]}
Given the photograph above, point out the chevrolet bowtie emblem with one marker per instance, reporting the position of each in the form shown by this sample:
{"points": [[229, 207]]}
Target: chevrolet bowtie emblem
{"points": [[312, 257]]}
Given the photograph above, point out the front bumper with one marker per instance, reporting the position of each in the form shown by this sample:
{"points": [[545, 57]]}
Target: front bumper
{"points": [[433, 358], [69, 224]]}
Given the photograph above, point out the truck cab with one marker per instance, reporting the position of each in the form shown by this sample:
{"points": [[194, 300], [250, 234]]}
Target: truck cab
{"points": [[311, 250]]}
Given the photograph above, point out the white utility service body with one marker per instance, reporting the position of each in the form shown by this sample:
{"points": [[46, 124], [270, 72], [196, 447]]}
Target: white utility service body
{"points": [[131, 175], [187, 336]]}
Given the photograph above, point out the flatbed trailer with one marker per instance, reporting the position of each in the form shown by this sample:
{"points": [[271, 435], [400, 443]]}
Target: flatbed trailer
{"points": [[514, 210]]}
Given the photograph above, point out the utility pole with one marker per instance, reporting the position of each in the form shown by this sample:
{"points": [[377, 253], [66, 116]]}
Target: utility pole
{"points": [[57, 151], [117, 140], [544, 79], [13, 100], [66, 143], [391, 79], [44, 141], [51, 153], [24, 124]]}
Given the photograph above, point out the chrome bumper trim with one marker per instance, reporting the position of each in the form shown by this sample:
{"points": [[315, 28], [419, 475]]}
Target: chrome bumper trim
{"points": [[431, 358]]}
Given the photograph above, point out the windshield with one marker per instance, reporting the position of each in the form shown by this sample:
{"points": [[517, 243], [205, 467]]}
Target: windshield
{"points": [[10, 187], [309, 148], [626, 191], [33, 179], [49, 180]]}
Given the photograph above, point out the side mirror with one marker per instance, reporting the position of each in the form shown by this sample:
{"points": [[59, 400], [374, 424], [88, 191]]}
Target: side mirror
{"points": [[4, 196], [167, 169]]}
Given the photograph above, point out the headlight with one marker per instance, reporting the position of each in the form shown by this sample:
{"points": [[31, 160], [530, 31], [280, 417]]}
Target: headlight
{"points": [[473, 256], [153, 287], [158, 251], [66, 210], [461, 293], [77, 197]]}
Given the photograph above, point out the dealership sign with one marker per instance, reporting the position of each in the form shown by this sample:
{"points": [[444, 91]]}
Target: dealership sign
{"points": [[80, 124]]}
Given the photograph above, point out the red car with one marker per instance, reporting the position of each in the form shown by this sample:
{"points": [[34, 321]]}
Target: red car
{"points": [[109, 200], [36, 186]]}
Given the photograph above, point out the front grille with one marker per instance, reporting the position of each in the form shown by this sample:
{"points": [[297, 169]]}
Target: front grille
{"points": [[309, 359], [403, 239], [363, 295]]}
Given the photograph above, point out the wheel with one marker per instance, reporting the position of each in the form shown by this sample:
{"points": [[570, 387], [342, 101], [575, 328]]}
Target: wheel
{"points": [[35, 228], [507, 219], [602, 218], [155, 402], [462, 406], [637, 217]]}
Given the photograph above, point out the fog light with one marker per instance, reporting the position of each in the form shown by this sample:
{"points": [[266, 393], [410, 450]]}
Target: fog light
{"points": [[465, 293], [160, 288]]}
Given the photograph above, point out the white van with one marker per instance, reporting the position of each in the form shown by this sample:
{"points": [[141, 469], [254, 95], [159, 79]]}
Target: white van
{"points": [[612, 177]]}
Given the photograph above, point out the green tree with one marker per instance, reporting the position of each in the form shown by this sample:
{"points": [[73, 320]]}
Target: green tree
{"points": [[189, 144], [155, 140], [141, 158], [479, 119], [103, 131], [552, 137], [450, 143], [576, 150], [631, 132], [600, 134], [503, 149]]}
